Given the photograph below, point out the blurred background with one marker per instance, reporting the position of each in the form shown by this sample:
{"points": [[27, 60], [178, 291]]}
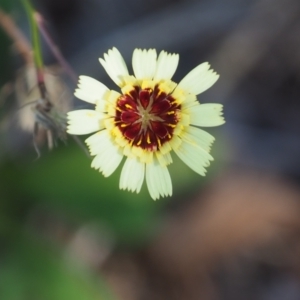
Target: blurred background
{"points": [[66, 232]]}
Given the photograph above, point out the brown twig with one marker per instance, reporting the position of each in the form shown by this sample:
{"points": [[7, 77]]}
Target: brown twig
{"points": [[17, 36], [53, 47]]}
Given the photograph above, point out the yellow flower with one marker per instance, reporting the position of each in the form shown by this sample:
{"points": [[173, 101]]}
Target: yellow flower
{"points": [[151, 118]]}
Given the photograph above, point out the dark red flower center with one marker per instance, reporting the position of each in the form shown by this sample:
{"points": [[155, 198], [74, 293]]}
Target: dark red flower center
{"points": [[147, 117]]}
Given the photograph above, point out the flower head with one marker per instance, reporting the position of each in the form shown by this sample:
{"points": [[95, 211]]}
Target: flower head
{"points": [[151, 118]]}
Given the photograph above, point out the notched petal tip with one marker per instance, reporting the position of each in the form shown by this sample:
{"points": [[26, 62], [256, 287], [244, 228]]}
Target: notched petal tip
{"points": [[144, 63], [199, 79], [114, 65], [206, 115], [101, 60], [76, 91], [166, 65]]}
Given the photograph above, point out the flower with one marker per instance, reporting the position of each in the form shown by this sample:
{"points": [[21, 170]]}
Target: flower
{"points": [[151, 118]]}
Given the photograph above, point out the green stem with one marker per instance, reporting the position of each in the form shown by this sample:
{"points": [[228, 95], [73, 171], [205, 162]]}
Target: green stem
{"points": [[36, 44], [34, 34]]}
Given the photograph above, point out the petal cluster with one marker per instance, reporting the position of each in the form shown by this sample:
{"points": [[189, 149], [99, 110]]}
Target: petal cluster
{"points": [[148, 120]]}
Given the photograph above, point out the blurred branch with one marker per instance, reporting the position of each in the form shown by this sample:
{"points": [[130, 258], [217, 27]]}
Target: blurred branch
{"points": [[245, 46], [21, 43], [55, 50]]}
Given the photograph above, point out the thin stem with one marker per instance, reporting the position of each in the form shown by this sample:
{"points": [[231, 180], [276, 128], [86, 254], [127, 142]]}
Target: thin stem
{"points": [[34, 34], [55, 50], [38, 59]]}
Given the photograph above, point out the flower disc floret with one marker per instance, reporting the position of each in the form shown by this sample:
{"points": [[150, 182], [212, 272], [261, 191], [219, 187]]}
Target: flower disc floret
{"points": [[147, 117]]}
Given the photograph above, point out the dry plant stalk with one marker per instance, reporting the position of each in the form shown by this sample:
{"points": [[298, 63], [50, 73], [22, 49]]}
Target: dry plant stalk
{"points": [[41, 109]]}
